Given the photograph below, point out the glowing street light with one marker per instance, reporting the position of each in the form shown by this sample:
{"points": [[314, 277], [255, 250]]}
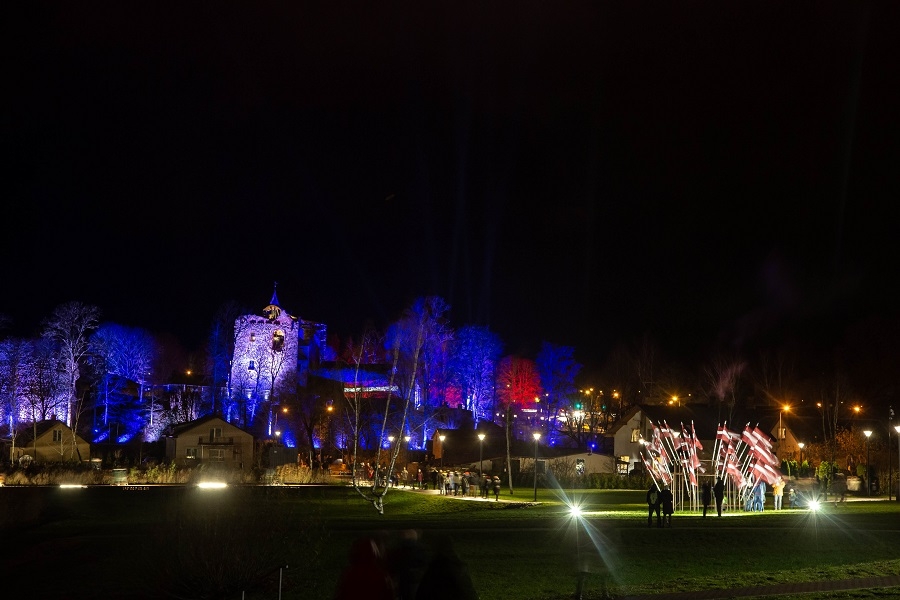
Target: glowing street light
{"points": [[480, 453], [785, 408], [442, 437], [537, 436], [897, 429], [801, 444], [867, 433]]}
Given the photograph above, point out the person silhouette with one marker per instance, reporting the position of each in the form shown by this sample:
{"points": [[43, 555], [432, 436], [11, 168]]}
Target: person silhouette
{"points": [[668, 505], [719, 493], [447, 576], [706, 496], [653, 506], [366, 575]]}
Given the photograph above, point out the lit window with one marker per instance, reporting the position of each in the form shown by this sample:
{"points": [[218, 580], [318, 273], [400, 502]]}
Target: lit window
{"points": [[191, 453], [252, 337], [278, 341], [57, 435], [635, 435]]}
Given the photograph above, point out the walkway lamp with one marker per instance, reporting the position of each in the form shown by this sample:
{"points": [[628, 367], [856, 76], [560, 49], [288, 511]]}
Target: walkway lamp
{"points": [[897, 429], [537, 436], [480, 453], [867, 433]]}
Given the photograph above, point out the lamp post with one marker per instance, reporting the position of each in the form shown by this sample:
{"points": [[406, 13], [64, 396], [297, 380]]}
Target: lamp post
{"points": [[897, 429], [867, 433], [537, 436], [480, 453], [785, 408], [442, 437], [800, 468]]}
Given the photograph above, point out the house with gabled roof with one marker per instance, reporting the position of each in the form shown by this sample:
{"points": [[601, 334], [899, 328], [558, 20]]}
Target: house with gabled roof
{"points": [[636, 428], [48, 442], [210, 441]]}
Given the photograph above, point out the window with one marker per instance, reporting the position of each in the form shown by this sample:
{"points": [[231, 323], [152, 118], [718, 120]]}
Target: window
{"points": [[622, 465], [278, 341], [57, 435], [635, 435], [217, 454], [215, 433], [252, 337], [252, 366], [191, 453]]}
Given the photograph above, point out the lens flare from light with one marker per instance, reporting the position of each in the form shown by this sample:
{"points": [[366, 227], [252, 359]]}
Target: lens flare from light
{"points": [[814, 505], [212, 485]]}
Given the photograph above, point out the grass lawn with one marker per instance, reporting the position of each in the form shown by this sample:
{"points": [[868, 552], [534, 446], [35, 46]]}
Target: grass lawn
{"points": [[159, 542]]}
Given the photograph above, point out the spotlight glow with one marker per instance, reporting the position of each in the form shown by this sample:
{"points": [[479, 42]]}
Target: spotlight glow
{"points": [[814, 505], [212, 485]]}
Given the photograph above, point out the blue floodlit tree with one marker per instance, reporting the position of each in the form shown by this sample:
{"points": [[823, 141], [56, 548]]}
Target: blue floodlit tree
{"points": [[558, 369], [473, 362], [124, 359]]}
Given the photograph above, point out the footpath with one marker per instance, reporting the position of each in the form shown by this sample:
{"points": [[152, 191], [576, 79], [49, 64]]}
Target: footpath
{"points": [[774, 590], [781, 589]]}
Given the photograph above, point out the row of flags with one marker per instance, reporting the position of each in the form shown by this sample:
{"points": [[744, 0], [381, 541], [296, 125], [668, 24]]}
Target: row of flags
{"points": [[668, 446], [744, 458]]}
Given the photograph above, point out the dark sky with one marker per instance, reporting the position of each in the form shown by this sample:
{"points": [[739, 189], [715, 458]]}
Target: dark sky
{"points": [[713, 174]]}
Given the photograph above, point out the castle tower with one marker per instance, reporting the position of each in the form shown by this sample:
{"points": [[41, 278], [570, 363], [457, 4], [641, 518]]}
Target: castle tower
{"points": [[270, 346]]}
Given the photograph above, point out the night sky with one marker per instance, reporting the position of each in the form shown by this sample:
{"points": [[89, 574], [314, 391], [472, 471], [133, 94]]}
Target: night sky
{"points": [[716, 175]]}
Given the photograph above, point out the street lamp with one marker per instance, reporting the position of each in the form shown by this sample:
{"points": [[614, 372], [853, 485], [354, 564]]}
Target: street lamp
{"points": [[480, 453], [537, 436], [442, 437], [784, 408], [800, 468], [867, 433], [897, 429], [406, 438]]}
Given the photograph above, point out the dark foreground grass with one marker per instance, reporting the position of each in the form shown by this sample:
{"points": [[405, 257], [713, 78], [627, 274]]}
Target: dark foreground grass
{"points": [[183, 542]]}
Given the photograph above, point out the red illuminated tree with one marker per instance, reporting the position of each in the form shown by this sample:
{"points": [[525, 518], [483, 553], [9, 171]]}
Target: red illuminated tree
{"points": [[518, 384]]}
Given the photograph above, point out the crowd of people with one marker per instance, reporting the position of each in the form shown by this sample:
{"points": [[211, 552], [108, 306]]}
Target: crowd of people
{"points": [[447, 482]]}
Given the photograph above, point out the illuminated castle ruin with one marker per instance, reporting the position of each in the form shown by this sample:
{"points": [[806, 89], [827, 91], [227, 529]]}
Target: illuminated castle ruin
{"points": [[270, 348]]}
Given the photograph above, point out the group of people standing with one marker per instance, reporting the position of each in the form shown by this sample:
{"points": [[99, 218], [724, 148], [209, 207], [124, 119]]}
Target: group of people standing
{"points": [[660, 500], [661, 503]]}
